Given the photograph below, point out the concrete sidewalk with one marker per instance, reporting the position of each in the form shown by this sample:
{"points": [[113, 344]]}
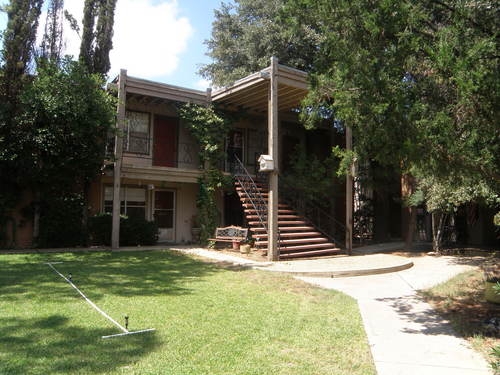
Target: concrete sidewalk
{"points": [[406, 336]]}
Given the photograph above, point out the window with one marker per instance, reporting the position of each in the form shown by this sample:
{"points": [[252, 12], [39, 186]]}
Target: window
{"points": [[136, 137], [132, 201]]}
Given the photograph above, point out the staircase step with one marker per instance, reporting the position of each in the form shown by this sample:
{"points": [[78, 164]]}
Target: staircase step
{"points": [[250, 205], [280, 222], [315, 253], [283, 229], [281, 217], [287, 235], [298, 239], [295, 241], [280, 211], [240, 188], [247, 199], [307, 247]]}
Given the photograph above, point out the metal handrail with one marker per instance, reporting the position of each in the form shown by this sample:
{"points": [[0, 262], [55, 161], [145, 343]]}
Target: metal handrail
{"points": [[313, 213], [250, 188]]}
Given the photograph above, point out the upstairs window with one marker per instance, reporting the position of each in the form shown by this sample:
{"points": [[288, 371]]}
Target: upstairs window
{"points": [[136, 138]]}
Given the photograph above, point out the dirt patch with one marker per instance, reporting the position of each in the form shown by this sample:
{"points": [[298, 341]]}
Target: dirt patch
{"points": [[461, 301]]}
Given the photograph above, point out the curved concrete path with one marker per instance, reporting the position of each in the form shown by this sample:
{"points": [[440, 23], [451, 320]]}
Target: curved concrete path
{"points": [[406, 336]]}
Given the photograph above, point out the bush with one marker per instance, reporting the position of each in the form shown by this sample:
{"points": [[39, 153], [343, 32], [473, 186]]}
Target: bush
{"points": [[61, 221], [133, 231]]}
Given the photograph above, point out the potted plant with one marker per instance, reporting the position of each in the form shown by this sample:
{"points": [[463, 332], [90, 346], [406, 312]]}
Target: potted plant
{"points": [[246, 246], [195, 229], [492, 286]]}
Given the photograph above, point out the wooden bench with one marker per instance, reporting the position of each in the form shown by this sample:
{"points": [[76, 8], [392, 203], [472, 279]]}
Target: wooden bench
{"points": [[230, 234]]}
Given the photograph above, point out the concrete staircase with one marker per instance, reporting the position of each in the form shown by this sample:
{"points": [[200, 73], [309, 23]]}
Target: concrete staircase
{"points": [[297, 237]]}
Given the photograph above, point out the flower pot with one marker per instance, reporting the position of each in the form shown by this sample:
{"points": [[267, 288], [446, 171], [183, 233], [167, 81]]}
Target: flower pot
{"points": [[491, 294], [195, 234], [245, 249], [236, 245]]}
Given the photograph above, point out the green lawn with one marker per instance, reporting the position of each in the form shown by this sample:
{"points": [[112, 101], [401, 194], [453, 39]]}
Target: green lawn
{"points": [[209, 319]]}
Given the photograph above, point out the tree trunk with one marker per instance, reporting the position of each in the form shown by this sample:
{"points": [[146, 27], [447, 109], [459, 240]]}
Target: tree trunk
{"points": [[407, 189], [85, 214], [438, 222], [36, 219], [410, 233]]}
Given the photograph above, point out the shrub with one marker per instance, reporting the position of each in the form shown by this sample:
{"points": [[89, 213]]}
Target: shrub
{"points": [[61, 221], [133, 231]]}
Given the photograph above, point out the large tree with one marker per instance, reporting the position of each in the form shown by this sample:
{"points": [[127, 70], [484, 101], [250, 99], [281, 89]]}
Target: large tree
{"points": [[244, 36], [418, 81], [18, 45], [419, 84], [54, 120], [97, 34], [52, 40]]}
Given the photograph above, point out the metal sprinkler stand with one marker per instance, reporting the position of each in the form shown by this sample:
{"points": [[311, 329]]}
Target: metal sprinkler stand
{"points": [[123, 329]]}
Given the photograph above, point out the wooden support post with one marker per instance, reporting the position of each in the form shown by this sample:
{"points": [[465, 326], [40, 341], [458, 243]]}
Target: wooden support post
{"points": [[349, 196], [273, 150], [120, 123]]}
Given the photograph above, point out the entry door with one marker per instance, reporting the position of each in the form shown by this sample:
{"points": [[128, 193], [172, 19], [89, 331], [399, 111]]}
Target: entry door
{"points": [[164, 214], [165, 142]]}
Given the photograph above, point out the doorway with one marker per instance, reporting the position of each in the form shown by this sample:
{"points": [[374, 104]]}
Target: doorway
{"points": [[165, 142], [164, 214]]}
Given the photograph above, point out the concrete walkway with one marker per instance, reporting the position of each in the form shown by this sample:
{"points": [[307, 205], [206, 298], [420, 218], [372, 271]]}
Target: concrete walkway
{"points": [[406, 336]]}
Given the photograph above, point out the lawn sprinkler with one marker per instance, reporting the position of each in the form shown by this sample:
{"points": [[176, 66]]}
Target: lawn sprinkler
{"points": [[124, 330]]}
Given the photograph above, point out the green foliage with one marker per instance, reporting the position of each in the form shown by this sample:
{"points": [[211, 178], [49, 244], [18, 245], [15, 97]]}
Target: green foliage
{"points": [[310, 177], [52, 42], [133, 230], [63, 127], [247, 33], [495, 353], [210, 128], [347, 159], [213, 180], [61, 221], [18, 46], [47, 328], [448, 192], [97, 35], [496, 219], [418, 83]]}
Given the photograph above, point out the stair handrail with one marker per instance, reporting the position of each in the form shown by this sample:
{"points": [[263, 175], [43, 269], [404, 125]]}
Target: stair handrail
{"points": [[253, 193], [310, 206]]}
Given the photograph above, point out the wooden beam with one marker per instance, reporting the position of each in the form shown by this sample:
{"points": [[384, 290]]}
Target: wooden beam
{"points": [[120, 123], [273, 146], [349, 195]]}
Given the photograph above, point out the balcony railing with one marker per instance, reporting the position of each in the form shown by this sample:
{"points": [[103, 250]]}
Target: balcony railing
{"points": [[185, 155]]}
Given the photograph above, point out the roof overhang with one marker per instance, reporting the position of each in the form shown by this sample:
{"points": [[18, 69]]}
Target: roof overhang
{"points": [[143, 90], [251, 93]]}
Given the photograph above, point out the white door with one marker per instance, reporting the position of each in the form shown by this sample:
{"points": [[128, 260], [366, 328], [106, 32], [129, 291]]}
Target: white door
{"points": [[164, 214]]}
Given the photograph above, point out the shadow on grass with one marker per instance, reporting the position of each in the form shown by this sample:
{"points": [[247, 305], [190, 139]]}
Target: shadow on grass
{"points": [[51, 345], [48, 342], [121, 274]]}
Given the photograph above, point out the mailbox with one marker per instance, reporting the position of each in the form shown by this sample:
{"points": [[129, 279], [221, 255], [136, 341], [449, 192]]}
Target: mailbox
{"points": [[266, 163]]}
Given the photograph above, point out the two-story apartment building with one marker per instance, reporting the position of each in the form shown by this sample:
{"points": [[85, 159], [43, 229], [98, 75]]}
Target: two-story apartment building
{"points": [[156, 169]]}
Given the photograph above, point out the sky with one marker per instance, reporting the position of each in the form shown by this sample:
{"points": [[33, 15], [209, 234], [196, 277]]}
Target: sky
{"points": [[159, 40]]}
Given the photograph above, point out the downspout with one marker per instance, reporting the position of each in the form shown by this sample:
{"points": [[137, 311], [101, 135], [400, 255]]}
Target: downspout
{"points": [[120, 122]]}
